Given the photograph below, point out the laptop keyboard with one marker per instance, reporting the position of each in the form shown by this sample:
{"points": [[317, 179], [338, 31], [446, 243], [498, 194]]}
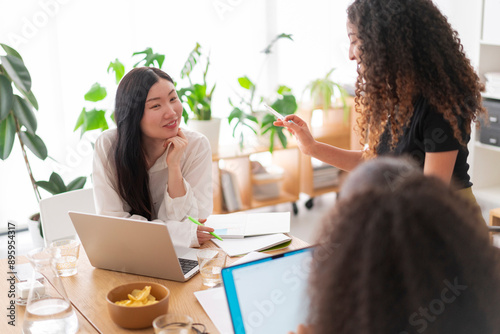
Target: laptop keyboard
{"points": [[187, 265]]}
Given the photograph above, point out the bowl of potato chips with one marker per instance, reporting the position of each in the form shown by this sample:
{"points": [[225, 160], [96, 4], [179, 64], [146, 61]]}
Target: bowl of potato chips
{"points": [[135, 305]]}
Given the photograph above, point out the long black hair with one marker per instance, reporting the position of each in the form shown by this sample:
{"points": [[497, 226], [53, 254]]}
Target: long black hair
{"points": [[130, 159]]}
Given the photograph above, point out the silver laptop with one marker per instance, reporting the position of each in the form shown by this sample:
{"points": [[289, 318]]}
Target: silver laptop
{"points": [[133, 246]]}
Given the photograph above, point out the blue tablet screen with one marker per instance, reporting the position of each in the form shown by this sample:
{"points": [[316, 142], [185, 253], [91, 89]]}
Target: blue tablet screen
{"points": [[269, 295]]}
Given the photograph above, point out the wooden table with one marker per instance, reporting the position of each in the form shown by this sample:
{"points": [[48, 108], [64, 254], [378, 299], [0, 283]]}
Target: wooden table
{"points": [[87, 292]]}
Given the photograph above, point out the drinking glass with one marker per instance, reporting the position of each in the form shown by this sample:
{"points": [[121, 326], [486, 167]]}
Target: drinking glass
{"points": [[173, 324], [211, 262], [69, 251]]}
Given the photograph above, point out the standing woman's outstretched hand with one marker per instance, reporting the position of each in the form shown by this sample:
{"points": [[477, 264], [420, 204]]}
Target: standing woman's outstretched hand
{"points": [[178, 145], [299, 129]]}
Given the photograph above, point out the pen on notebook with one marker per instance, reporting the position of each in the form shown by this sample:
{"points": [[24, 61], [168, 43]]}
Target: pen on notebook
{"points": [[198, 223]]}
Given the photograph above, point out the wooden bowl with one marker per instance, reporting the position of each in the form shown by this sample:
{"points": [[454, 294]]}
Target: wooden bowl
{"points": [[139, 316]]}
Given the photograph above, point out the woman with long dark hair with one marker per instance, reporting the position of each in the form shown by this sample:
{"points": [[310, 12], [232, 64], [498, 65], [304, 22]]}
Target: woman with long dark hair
{"points": [[148, 168], [417, 93]]}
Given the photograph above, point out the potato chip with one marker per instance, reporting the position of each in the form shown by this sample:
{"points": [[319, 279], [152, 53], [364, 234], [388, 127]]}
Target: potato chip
{"points": [[138, 298]]}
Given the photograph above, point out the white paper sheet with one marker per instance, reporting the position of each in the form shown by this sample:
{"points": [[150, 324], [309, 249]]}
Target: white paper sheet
{"points": [[214, 303], [214, 300]]}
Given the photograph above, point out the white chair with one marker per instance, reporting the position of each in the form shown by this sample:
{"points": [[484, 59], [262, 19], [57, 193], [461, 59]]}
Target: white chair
{"points": [[56, 223]]}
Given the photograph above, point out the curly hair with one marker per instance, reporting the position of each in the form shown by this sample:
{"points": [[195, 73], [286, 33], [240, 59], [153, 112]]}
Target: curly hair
{"points": [[407, 259], [408, 49]]}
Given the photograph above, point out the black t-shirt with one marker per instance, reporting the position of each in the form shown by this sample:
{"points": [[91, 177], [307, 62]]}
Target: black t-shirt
{"points": [[428, 131]]}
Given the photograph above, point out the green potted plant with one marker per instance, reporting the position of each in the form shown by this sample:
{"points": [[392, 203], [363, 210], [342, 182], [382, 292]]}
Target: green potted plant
{"points": [[197, 99], [244, 115], [97, 118], [17, 119], [324, 91], [285, 104]]}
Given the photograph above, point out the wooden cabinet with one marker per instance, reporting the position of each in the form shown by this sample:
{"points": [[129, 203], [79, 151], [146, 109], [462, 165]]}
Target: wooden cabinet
{"points": [[239, 163], [336, 132], [495, 217], [298, 169]]}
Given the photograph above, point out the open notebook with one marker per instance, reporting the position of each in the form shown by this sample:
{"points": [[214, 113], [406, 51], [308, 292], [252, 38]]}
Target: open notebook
{"points": [[240, 225]]}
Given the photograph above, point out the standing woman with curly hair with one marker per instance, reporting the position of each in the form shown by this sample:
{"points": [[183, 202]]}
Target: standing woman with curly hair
{"points": [[417, 93]]}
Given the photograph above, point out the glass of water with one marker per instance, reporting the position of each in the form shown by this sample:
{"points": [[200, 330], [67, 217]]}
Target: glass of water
{"points": [[173, 324], [66, 253], [211, 262]]}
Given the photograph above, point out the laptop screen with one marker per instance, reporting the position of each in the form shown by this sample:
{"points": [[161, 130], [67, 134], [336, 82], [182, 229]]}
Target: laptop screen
{"points": [[269, 295]]}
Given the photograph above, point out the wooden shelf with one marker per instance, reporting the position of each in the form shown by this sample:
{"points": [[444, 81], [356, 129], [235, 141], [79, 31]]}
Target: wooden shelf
{"points": [[298, 170], [267, 181], [284, 197], [495, 217], [335, 133], [323, 190], [239, 164]]}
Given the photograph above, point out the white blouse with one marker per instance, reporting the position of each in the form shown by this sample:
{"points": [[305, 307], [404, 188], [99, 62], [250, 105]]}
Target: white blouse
{"points": [[196, 168]]}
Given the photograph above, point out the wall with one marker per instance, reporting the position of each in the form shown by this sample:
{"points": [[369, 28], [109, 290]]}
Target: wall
{"points": [[67, 46]]}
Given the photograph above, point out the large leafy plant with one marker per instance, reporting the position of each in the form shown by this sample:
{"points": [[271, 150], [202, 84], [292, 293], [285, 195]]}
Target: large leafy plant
{"points": [[18, 119], [197, 96], [285, 104], [243, 114], [98, 118]]}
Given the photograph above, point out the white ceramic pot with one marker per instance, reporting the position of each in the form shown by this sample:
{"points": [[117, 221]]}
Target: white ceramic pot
{"points": [[210, 129], [35, 228]]}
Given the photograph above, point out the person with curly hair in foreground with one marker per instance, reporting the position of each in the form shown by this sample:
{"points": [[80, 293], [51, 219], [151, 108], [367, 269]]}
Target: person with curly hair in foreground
{"points": [[406, 257], [416, 93]]}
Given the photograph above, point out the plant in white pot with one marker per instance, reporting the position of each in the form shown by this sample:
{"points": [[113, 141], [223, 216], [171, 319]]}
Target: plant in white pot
{"points": [[325, 94], [248, 115], [17, 119], [197, 97]]}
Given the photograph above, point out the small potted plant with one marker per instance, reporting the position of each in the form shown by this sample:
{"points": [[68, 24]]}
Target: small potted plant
{"points": [[247, 115], [18, 119], [242, 116], [285, 104], [197, 97], [325, 93]]}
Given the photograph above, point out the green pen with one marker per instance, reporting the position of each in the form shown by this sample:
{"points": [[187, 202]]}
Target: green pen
{"points": [[198, 223]]}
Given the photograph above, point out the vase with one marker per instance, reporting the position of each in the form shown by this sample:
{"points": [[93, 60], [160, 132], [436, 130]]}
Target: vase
{"points": [[210, 129], [34, 226]]}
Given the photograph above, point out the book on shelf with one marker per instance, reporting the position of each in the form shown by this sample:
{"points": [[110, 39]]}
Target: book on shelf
{"points": [[325, 175], [230, 191]]}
